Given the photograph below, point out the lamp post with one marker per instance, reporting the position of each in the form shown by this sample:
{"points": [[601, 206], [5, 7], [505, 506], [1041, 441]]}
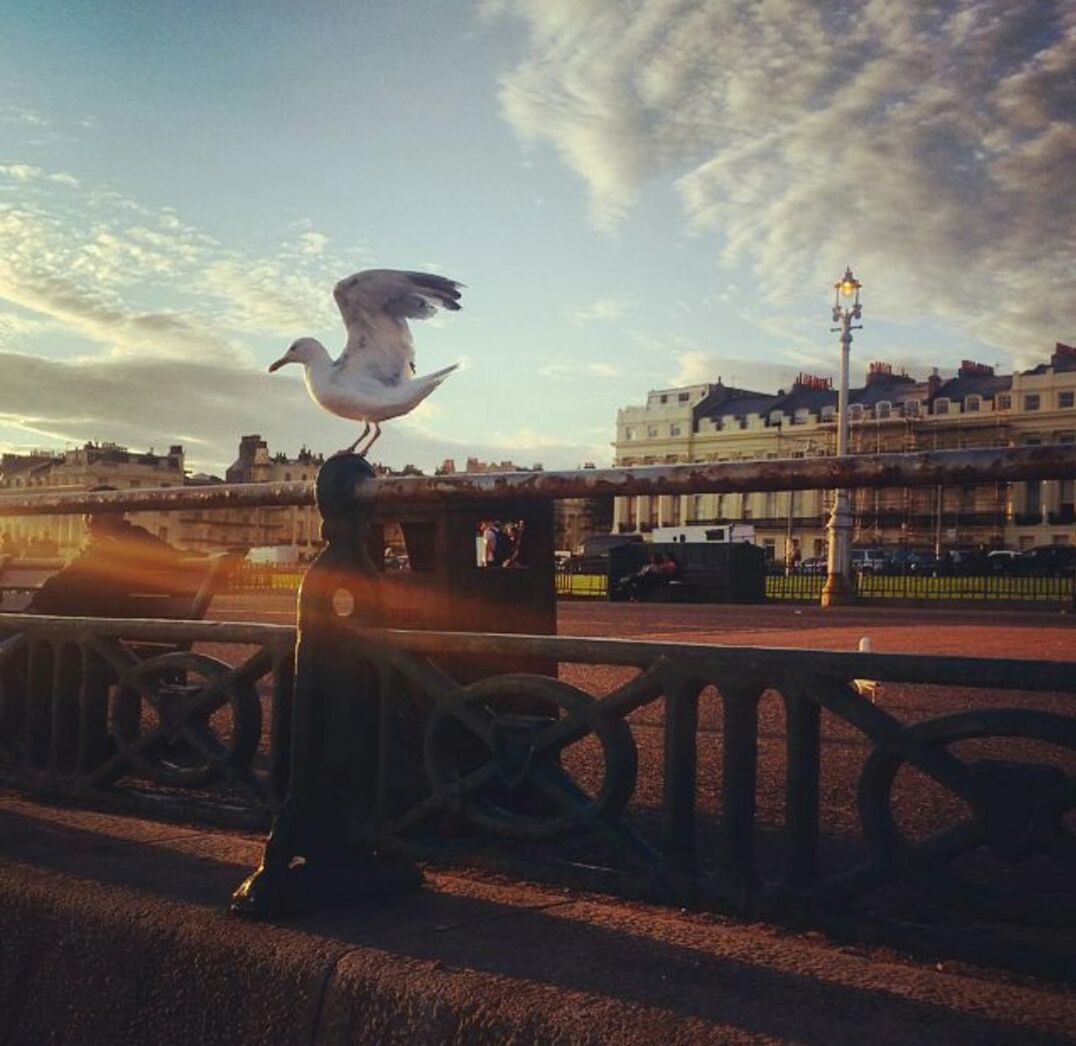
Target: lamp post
{"points": [[838, 588]]}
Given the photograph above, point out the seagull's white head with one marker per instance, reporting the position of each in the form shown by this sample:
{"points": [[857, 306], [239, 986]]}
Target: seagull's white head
{"points": [[305, 350]]}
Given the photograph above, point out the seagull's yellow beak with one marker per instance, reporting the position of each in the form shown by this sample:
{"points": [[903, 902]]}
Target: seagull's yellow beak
{"points": [[279, 363]]}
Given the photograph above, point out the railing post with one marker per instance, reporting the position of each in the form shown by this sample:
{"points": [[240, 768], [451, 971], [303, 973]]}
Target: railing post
{"points": [[324, 849]]}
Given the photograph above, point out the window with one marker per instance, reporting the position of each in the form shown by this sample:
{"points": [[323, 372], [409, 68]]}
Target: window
{"points": [[828, 412], [629, 433], [776, 417], [664, 399], [802, 416], [941, 405], [971, 404], [1003, 401], [652, 431], [855, 412], [674, 430], [911, 408], [683, 397], [882, 409], [287, 477], [1065, 399], [1031, 401]]}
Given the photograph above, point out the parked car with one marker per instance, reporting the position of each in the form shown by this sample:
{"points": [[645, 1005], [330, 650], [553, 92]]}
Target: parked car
{"points": [[1002, 560], [1046, 561], [869, 560], [905, 561]]}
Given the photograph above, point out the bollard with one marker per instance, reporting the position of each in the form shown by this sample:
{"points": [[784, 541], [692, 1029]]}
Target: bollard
{"points": [[324, 849]]}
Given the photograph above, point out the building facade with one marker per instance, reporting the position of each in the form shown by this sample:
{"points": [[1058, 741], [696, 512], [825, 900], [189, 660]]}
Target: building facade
{"points": [[91, 465], [891, 413], [210, 530]]}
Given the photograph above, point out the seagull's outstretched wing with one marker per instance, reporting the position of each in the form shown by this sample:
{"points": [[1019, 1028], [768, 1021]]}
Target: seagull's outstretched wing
{"points": [[376, 305]]}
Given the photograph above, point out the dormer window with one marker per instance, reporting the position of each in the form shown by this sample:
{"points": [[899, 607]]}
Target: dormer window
{"points": [[802, 416], [776, 417], [972, 404], [855, 412], [941, 405], [911, 408], [882, 409], [828, 412]]}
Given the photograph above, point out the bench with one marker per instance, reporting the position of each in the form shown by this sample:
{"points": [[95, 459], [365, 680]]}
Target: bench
{"points": [[183, 592], [695, 584]]}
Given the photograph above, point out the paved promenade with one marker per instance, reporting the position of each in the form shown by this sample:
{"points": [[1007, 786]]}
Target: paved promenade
{"points": [[114, 931]]}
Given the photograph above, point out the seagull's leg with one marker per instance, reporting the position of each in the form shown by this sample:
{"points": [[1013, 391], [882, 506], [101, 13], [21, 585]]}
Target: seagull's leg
{"points": [[373, 439], [362, 436]]}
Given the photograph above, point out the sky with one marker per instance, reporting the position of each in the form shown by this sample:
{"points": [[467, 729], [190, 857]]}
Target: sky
{"points": [[636, 194]]}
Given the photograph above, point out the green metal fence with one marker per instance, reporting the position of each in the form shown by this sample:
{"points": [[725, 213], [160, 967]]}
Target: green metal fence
{"points": [[1059, 591]]}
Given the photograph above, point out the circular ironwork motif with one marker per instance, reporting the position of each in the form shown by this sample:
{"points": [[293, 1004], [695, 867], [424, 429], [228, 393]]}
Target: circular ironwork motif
{"points": [[501, 768], [183, 747], [1017, 811]]}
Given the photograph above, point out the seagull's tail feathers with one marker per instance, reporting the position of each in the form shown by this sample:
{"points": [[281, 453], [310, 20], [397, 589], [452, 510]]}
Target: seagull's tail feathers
{"points": [[434, 378], [418, 388]]}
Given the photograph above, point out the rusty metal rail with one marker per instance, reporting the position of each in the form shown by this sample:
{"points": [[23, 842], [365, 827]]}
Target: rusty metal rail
{"points": [[949, 467]]}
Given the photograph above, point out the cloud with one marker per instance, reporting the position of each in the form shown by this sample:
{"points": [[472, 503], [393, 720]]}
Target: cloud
{"points": [[934, 146], [600, 309], [576, 369], [17, 114], [697, 367], [144, 402], [26, 172], [313, 243]]}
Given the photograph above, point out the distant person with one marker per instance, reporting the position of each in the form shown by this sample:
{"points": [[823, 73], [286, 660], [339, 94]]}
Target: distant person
{"points": [[121, 560], [647, 578], [490, 537], [7, 544]]}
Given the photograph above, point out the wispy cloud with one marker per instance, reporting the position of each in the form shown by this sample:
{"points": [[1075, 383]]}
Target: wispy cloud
{"points": [[601, 309], [28, 172], [576, 369], [932, 145]]}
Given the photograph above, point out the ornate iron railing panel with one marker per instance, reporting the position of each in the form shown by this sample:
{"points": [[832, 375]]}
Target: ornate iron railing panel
{"points": [[125, 709], [1016, 808], [87, 707]]}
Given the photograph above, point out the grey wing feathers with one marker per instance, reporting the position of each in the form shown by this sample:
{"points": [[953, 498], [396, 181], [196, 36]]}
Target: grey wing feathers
{"points": [[405, 295], [376, 305]]}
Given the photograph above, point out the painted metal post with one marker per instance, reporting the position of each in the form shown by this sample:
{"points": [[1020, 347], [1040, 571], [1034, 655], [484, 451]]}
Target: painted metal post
{"points": [[325, 849], [838, 589]]}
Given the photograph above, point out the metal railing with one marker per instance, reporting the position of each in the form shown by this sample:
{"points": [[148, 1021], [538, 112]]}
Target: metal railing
{"points": [[957, 589], [88, 707], [385, 743], [929, 468]]}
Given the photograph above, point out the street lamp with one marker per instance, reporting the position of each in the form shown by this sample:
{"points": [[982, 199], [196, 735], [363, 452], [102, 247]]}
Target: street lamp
{"points": [[838, 587]]}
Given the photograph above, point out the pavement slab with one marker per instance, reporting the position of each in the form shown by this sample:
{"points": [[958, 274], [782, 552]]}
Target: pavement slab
{"points": [[114, 929]]}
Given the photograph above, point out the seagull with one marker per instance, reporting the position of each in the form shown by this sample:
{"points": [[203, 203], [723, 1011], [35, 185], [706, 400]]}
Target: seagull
{"points": [[374, 378], [866, 687]]}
